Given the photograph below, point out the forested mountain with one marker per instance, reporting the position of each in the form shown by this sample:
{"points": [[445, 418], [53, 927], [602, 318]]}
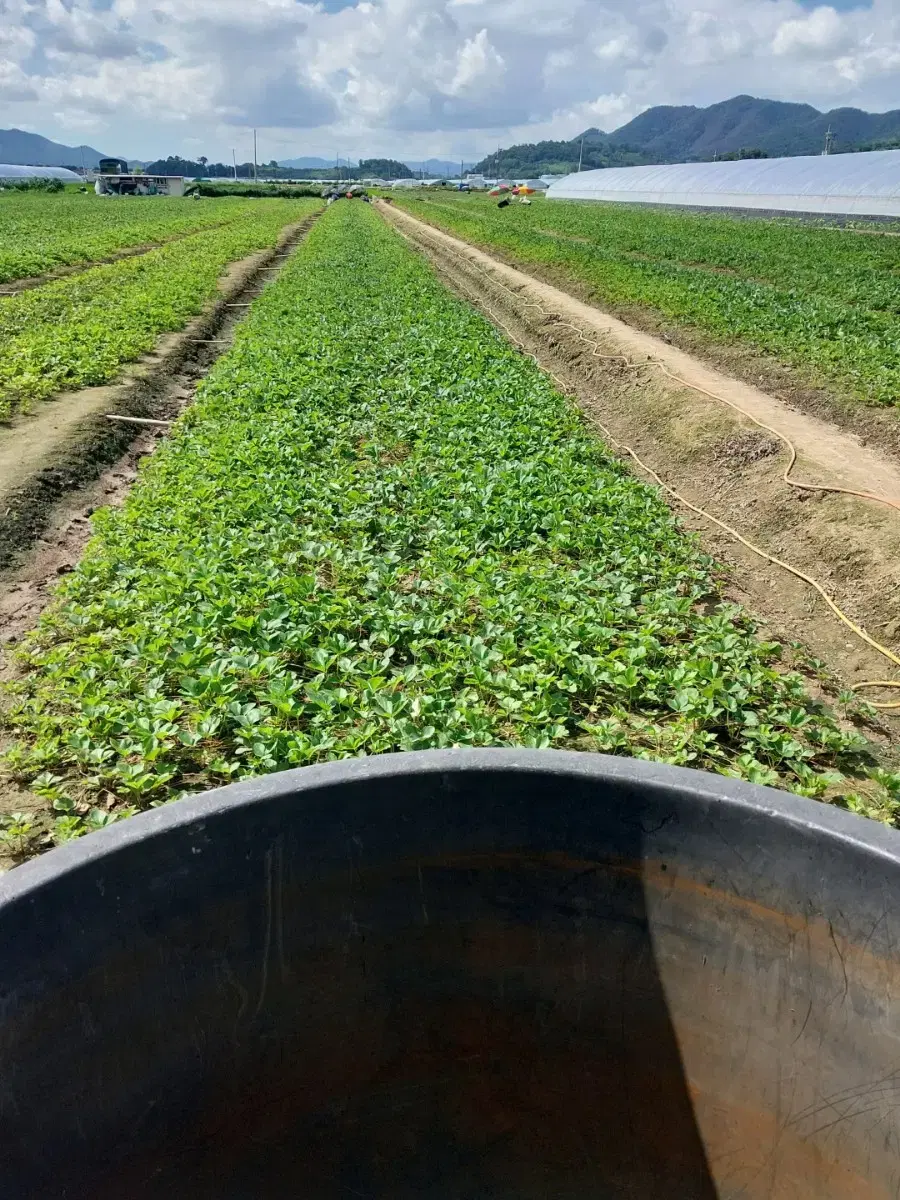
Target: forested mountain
{"points": [[778, 129], [739, 128], [30, 149]]}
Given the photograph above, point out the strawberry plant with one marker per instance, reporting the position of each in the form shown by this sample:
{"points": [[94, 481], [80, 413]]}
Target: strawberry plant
{"points": [[822, 299], [39, 232], [79, 330], [380, 528]]}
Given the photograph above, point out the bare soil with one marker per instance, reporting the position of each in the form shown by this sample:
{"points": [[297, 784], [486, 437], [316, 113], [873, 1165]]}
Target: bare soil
{"points": [[720, 461]]}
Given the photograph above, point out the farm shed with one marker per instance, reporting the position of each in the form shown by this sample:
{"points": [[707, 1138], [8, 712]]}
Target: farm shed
{"points": [[865, 185], [139, 185], [13, 171]]}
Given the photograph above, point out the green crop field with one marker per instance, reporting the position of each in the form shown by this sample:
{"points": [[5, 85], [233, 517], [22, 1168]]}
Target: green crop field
{"points": [[381, 528], [79, 330], [823, 300], [39, 232]]}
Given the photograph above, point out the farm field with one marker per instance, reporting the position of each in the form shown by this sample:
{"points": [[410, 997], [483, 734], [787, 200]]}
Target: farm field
{"points": [[80, 330], [819, 299], [40, 232], [381, 528]]}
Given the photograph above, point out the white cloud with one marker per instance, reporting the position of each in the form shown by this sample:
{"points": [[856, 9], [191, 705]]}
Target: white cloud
{"points": [[476, 63], [417, 76], [821, 31]]}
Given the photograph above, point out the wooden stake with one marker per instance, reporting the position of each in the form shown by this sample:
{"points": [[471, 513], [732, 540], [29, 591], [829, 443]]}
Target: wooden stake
{"points": [[136, 420]]}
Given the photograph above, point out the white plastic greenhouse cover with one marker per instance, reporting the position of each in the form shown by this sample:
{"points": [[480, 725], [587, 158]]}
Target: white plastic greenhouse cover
{"points": [[9, 171], [866, 184]]}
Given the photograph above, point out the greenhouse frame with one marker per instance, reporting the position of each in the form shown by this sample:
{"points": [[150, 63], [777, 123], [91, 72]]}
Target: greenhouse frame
{"points": [[863, 185], [14, 171]]}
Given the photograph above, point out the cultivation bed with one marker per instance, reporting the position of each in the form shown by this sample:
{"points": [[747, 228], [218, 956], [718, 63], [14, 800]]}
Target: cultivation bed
{"points": [[79, 331], [717, 459], [810, 313], [44, 235], [379, 527], [63, 444]]}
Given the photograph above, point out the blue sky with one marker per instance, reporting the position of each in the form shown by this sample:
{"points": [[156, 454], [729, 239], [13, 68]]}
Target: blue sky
{"points": [[414, 78]]}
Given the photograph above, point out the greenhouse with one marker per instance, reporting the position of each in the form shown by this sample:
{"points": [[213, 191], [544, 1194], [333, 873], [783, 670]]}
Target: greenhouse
{"points": [[13, 171], [865, 185]]}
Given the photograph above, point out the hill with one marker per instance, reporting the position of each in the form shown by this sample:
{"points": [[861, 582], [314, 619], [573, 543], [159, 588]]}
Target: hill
{"points": [[683, 134], [559, 158], [30, 149]]}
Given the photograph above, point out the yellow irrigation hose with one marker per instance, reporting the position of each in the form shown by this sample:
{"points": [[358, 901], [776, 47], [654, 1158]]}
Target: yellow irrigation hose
{"points": [[778, 562]]}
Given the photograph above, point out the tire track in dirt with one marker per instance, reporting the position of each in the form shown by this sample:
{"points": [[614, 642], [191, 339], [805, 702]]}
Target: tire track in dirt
{"points": [[717, 460]]}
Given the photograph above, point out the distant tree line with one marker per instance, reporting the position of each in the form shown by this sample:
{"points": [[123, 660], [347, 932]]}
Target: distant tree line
{"points": [[740, 155], [174, 165], [557, 158], [884, 144], [202, 168]]}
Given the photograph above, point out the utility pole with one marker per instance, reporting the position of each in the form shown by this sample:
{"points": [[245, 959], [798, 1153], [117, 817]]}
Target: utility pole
{"points": [[581, 156], [255, 171]]}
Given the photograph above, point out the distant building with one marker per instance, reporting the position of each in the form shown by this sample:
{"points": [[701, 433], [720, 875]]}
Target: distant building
{"points": [[139, 185]]}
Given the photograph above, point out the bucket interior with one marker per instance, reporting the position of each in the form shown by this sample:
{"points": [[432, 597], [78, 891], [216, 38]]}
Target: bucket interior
{"points": [[497, 982]]}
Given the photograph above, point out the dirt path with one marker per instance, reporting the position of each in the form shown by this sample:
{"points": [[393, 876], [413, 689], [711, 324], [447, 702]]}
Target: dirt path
{"points": [[717, 459]]}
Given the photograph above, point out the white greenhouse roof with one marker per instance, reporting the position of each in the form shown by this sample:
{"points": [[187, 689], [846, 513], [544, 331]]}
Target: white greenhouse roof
{"points": [[866, 184], [10, 171]]}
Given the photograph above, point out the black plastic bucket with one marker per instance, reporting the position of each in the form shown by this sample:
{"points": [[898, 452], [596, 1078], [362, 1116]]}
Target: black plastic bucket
{"points": [[458, 975]]}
